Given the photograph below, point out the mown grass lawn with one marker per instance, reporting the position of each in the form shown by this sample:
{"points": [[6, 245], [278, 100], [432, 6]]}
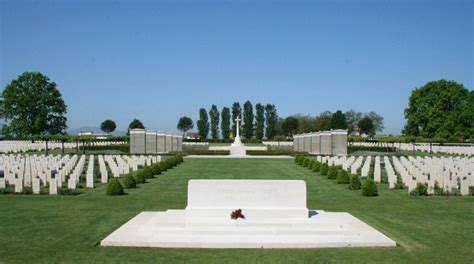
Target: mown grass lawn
{"points": [[68, 228]]}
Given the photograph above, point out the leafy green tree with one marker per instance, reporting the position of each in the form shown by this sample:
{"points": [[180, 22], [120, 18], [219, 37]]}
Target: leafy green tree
{"points": [[323, 121], [108, 126], [225, 122], [185, 124], [366, 126], [290, 126], [338, 120], [352, 119], [440, 109], [135, 124], [377, 120], [259, 120], [236, 112], [271, 120], [203, 124], [32, 104], [214, 115], [247, 130]]}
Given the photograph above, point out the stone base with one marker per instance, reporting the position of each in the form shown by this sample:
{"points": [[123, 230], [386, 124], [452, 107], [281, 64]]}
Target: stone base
{"points": [[171, 229], [238, 151]]}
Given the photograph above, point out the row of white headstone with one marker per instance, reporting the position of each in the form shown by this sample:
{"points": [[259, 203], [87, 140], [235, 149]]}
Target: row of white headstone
{"points": [[461, 149], [20, 146], [34, 170], [448, 172]]}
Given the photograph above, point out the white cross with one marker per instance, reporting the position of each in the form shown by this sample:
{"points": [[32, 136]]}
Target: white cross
{"points": [[237, 127]]}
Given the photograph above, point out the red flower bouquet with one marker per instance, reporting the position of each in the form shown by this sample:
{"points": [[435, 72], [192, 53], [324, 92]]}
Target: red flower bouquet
{"points": [[237, 214]]}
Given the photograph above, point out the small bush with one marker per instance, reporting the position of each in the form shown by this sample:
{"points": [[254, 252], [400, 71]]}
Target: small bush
{"points": [[6, 190], [139, 177], [306, 162], [420, 190], [129, 182], [27, 190], [332, 172], [301, 161], [323, 170], [355, 183], [147, 172], [66, 191], [316, 166], [343, 177], [471, 190], [114, 187], [369, 188], [311, 164], [438, 190], [297, 159], [156, 169]]}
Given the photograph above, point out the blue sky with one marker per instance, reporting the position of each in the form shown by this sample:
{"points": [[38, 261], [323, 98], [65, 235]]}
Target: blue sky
{"points": [[160, 60]]}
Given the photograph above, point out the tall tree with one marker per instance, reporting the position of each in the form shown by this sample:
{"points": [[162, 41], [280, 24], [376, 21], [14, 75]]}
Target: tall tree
{"points": [[136, 123], [377, 120], [440, 109], [236, 112], [352, 118], [108, 126], [185, 124], [338, 120], [323, 121], [366, 126], [289, 126], [247, 130], [32, 104], [214, 115], [306, 123], [225, 122], [271, 119], [259, 120], [203, 124]]}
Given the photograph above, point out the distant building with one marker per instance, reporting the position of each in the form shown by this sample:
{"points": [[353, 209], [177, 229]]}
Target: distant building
{"points": [[192, 135]]}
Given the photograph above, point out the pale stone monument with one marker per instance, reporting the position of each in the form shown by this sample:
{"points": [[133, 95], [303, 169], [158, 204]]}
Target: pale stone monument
{"points": [[237, 148], [273, 214], [36, 185]]}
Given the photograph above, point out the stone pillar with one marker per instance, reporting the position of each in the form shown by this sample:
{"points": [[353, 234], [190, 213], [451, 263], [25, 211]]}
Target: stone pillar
{"points": [[150, 142], [137, 141], [326, 143], [161, 143], [339, 142]]}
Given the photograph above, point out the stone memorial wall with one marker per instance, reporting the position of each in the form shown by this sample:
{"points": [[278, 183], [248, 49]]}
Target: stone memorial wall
{"points": [[332, 142], [151, 142]]}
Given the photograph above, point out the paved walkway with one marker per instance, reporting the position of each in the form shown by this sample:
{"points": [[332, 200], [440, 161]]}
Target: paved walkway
{"points": [[236, 157]]}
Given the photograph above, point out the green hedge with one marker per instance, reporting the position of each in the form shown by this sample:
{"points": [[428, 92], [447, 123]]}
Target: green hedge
{"points": [[269, 152], [208, 152], [352, 149]]}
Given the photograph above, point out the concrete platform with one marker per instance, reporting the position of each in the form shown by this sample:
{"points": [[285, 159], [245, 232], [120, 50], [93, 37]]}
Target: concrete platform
{"points": [[238, 157], [172, 229]]}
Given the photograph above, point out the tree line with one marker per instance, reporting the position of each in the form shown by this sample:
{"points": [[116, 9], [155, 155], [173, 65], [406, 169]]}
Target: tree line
{"points": [[440, 110], [222, 124]]}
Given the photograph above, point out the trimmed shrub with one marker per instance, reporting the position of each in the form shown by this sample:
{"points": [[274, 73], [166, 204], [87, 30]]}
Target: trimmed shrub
{"points": [[369, 188], [297, 159], [343, 177], [147, 172], [355, 183], [323, 169], [420, 190], [156, 169], [6, 190], [27, 190], [139, 177], [301, 160], [129, 182], [311, 164], [114, 187], [306, 162], [66, 191], [316, 166], [332, 172]]}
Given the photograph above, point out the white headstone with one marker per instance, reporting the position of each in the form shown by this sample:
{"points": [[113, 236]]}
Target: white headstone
{"points": [[53, 187], [36, 185], [71, 184], [2, 183], [18, 185]]}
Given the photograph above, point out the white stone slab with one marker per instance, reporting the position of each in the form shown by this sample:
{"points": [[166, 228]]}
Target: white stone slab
{"points": [[259, 198], [2, 183], [171, 230], [53, 187], [275, 217]]}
